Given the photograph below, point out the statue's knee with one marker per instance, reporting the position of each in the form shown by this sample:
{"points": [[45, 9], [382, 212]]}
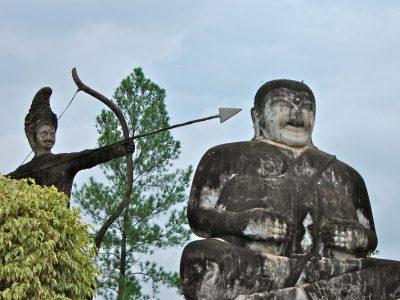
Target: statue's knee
{"points": [[199, 268], [194, 261]]}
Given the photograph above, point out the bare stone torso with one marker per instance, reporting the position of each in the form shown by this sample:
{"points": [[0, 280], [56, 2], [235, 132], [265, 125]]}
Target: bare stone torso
{"points": [[260, 175]]}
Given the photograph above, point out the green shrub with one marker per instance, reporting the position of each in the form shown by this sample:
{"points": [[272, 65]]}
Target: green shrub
{"points": [[45, 249]]}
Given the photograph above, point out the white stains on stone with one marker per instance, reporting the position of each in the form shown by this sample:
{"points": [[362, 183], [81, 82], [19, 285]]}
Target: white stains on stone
{"points": [[208, 288], [232, 176], [265, 247], [263, 169], [209, 197], [265, 229], [220, 239], [334, 179], [363, 219], [221, 206], [277, 267], [307, 242], [300, 294], [340, 254], [293, 293], [255, 229]]}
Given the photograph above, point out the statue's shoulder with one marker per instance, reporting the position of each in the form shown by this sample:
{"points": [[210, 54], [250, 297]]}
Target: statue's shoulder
{"points": [[340, 167], [239, 148], [45, 162]]}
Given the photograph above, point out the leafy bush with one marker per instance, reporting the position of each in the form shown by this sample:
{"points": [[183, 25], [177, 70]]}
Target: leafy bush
{"points": [[45, 249]]}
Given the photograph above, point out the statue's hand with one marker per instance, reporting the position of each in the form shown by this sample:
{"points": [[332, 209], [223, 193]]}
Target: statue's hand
{"points": [[261, 224], [350, 236]]}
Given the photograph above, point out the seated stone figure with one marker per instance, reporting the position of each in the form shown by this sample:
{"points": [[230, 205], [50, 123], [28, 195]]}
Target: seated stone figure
{"points": [[282, 219], [58, 169]]}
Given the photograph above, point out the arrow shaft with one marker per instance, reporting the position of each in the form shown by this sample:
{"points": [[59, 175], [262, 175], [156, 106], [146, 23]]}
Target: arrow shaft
{"points": [[174, 126]]}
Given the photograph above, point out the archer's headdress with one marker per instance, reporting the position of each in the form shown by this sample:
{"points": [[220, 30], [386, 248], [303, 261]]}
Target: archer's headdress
{"points": [[40, 113]]}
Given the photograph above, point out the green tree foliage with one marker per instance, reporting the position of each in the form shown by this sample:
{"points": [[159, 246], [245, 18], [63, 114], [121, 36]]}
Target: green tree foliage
{"points": [[45, 249], [155, 217]]}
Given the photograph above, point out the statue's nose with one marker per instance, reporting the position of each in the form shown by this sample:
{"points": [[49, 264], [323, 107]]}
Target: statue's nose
{"points": [[296, 116]]}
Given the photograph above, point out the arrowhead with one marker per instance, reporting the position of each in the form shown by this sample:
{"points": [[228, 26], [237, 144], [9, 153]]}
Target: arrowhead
{"points": [[227, 113]]}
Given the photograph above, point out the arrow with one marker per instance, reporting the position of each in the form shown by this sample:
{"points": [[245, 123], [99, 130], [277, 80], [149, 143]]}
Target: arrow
{"points": [[224, 115], [227, 113]]}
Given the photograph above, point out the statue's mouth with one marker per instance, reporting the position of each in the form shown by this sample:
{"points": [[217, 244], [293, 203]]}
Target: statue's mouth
{"points": [[49, 142], [295, 129], [295, 123], [295, 126]]}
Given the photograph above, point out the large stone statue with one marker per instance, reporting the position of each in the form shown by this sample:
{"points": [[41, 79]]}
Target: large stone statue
{"points": [[58, 169], [282, 219]]}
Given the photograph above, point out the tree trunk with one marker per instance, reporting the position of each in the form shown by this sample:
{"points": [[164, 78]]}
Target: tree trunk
{"points": [[122, 265]]}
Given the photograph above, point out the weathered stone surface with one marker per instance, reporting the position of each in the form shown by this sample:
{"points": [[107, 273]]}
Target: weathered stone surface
{"points": [[58, 169], [282, 219]]}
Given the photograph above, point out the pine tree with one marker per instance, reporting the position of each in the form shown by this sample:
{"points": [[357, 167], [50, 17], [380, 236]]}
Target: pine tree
{"points": [[155, 217]]}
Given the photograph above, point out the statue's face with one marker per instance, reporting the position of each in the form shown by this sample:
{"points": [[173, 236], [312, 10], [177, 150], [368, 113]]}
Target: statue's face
{"points": [[288, 117], [45, 139]]}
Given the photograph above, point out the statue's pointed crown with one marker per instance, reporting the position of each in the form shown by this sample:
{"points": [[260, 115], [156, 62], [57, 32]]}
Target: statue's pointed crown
{"points": [[40, 113], [42, 97]]}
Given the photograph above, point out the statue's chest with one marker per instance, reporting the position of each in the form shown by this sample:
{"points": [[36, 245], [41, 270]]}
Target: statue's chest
{"points": [[260, 183], [244, 192], [281, 185]]}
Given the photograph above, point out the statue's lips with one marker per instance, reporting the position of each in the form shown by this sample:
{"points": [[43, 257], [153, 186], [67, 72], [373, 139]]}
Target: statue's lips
{"points": [[49, 142], [295, 129]]}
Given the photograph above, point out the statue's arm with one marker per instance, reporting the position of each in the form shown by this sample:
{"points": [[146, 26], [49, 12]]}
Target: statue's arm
{"points": [[355, 236], [212, 222], [362, 205], [92, 157], [205, 219]]}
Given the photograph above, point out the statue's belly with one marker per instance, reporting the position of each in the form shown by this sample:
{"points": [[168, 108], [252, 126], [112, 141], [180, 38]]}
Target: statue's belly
{"points": [[244, 192]]}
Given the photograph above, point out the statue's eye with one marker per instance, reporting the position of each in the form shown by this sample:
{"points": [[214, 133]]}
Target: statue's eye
{"points": [[307, 106]]}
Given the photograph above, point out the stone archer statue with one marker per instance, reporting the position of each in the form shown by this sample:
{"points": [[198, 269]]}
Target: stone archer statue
{"points": [[282, 219], [58, 169]]}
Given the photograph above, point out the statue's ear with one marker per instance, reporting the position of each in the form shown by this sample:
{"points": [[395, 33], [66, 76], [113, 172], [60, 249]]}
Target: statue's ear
{"points": [[32, 141], [256, 123]]}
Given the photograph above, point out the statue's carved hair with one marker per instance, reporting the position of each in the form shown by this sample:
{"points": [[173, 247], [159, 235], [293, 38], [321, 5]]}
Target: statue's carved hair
{"points": [[40, 113], [259, 99]]}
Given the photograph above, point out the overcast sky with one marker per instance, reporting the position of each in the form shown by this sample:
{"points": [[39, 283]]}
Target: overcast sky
{"points": [[208, 54]]}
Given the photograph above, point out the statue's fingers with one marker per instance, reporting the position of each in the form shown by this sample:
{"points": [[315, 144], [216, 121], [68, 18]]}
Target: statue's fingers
{"points": [[275, 224], [281, 233], [275, 230], [279, 237], [339, 242]]}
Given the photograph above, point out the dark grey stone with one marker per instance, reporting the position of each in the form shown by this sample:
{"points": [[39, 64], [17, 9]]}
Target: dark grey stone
{"points": [[58, 170], [282, 219]]}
